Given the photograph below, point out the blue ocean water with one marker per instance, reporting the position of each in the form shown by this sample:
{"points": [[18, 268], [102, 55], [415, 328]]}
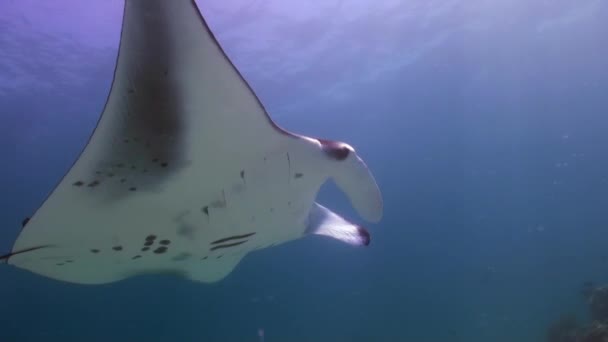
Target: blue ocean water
{"points": [[484, 123]]}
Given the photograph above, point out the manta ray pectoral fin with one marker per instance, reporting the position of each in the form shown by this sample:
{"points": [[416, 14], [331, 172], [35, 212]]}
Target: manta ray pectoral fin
{"points": [[215, 269], [353, 177], [323, 221], [4, 258]]}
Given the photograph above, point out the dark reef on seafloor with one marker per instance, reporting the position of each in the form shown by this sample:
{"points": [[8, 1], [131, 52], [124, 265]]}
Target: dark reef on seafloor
{"points": [[568, 329]]}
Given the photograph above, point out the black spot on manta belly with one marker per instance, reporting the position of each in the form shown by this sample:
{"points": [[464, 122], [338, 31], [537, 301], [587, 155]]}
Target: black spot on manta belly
{"points": [[25, 221], [93, 184], [160, 250], [78, 183], [117, 248], [136, 257], [148, 243], [145, 249], [165, 242], [298, 175], [151, 237], [94, 251]]}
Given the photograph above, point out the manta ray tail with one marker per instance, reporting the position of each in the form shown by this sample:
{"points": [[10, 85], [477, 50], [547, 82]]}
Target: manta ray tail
{"points": [[323, 221]]}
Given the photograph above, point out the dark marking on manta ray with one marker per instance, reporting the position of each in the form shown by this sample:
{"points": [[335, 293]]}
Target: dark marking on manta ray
{"points": [[69, 261], [204, 258], [78, 183], [132, 188], [145, 249], [219, 256], [60, 264], [155, 160], [218, 204], [136, 257], [148, 243], [93, 184], [31, 249], [151, 237], [186, 231], [298, 175], [206, 210], [117, 248], [165, 242], [227, 245], [288, 167], [161, 102], [94, 251], [271, 209], [25, 221], [120, 165], [98, 172], [182, 256], [234, 237], [164, 164], [123, 180], [334, 149], [160, 250], [243, 174]]}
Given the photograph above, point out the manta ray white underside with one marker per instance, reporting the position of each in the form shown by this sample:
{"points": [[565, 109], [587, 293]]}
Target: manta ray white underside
{"points": [[185, 171]]}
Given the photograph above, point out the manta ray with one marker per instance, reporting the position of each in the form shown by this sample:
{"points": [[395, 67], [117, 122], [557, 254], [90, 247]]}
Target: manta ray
{"points": [[185, 172]]}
